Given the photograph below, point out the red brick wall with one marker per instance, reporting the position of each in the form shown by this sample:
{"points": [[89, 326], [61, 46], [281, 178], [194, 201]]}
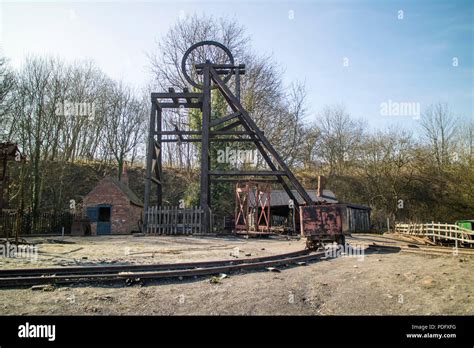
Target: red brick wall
{"points": [[124, 216]]}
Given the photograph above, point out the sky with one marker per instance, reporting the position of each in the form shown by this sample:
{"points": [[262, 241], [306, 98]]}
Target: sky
{"points": [[370, 56]]}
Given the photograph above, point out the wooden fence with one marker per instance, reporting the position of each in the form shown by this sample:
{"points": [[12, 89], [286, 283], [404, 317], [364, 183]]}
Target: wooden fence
{"points": [[174, 221], [45, 223], [438, 232]]}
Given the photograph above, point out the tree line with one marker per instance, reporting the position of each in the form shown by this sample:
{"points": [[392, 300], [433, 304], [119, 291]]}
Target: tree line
{"points": [[62, 112]]}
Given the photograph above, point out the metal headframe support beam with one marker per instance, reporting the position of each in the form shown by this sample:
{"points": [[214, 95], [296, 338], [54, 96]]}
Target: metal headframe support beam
{"points": [[205, 199], [212, 139], [149, 159], [271, 181], [224, 119], [251, 126], [262, 150]]}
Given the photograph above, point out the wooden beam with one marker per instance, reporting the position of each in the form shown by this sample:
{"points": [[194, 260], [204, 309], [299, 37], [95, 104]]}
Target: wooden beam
{"points": [[211, 133], [230, 180], [223, 69], [230, 139], [178, 133], [172, 93], [178, 105], [186, 90], [197, 140], [219, 132], [180, 95], [205, 198], [221, 66], [224, 119], [246, 173], [230, 126]]}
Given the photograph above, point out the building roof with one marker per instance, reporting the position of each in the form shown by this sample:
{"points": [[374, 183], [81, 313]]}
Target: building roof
{"points": [[281, 198], [132, 197], [128, 192]]}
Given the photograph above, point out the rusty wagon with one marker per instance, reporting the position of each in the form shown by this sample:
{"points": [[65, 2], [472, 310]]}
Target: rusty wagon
{"points": [[321, 223]]}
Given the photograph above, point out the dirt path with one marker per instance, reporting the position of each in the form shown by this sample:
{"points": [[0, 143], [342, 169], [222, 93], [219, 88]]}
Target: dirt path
{"points": [[103, 250], [380, 283]]}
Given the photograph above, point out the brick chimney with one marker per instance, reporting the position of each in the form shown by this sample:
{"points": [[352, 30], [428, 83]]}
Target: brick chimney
{"points": [[321, 180], [124, 176]]}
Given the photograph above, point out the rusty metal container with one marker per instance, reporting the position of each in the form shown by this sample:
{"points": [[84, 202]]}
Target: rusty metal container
{"points": [[81, 227], [321, 223]]}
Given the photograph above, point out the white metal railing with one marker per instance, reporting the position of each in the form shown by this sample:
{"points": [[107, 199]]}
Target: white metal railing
{"points": [[437, 231]]}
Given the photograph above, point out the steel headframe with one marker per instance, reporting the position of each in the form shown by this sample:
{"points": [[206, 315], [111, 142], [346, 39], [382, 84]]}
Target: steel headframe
{"points": [[218, 130]]}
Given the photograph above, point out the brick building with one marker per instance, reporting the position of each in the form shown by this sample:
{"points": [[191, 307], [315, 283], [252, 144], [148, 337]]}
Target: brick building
{"points": [[112, 207]]}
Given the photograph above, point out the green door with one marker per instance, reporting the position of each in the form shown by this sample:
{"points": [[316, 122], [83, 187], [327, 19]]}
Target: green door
{"points": [[104, 219]]}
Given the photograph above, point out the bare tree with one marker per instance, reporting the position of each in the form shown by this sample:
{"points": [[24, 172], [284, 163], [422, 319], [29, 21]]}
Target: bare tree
{"points": [[340, 138], [439, 126], [308, 146], [32, 112], [385, 168], [126, 117], [290, 130], [67, 111], [7, 85]]}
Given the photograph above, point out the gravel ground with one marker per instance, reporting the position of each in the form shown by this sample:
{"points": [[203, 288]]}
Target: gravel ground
{"points": [[381, 283], [102, 250]]}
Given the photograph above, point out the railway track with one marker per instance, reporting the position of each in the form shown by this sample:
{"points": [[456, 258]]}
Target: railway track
{"points": [[416, 248], [120, 273]]}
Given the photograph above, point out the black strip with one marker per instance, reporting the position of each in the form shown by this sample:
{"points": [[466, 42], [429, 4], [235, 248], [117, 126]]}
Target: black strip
{"points": [[244, 331]]}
